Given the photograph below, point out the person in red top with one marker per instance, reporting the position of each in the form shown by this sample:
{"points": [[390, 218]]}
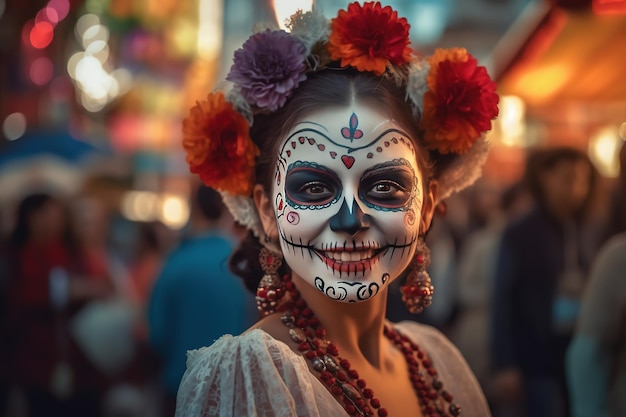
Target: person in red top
{"points": [[46, 363]]}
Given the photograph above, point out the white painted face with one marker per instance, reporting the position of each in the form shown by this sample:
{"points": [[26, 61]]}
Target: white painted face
{"points": [[348, 198]]}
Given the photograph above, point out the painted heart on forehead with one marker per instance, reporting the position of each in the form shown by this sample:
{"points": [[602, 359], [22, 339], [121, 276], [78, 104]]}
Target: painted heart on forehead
{"points": [[348, 225]]}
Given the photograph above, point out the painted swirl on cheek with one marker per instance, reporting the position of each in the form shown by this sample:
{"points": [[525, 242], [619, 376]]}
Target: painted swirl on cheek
{"points": [[293, 217], [409, 217]]}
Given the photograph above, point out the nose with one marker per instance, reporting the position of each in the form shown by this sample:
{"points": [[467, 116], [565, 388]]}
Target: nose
{"points": [[350, 221]]}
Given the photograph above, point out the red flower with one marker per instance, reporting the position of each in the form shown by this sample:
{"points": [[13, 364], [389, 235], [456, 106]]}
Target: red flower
{"points": [[218, 145], [460, 103], [369, 37]]}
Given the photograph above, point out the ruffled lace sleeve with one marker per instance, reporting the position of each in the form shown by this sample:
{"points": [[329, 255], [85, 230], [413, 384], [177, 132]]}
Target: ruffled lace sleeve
{"points": [[251, 375]]}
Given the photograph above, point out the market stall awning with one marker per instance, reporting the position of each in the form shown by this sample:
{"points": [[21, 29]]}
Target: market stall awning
{"points": [[553, 55]]}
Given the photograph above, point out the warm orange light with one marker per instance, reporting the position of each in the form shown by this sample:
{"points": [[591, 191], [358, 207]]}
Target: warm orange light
{"points": [[541, 84]]}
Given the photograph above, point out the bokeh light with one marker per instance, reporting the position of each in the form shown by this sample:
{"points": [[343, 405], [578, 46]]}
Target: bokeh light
{"points": [[99, 49], [62, 8], [142, 206], [604, 149], [97, 82], [41, 71], [93, 34], [41, 35], [83, 23], [124, 79], [210, 36], [174, 211], [512, 121], [47, 14], [14, 126]]}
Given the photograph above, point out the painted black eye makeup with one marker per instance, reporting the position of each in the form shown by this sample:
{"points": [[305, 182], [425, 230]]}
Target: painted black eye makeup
{"points": [[311, 186], [388, 186]]}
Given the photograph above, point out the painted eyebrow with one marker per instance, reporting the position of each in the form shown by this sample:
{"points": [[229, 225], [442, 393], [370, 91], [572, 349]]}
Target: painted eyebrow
{"points": [[396, 163]]}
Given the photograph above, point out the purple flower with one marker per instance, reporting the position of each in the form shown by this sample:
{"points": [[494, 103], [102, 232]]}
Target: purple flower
{"points": [[268, 66]]}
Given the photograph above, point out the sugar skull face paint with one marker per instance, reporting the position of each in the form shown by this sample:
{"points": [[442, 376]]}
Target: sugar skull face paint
{"points": [[347, 195]]}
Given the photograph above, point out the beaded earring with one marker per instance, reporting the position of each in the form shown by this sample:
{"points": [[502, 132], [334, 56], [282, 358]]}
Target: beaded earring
{"points": [[417, 291], [271, 288]]}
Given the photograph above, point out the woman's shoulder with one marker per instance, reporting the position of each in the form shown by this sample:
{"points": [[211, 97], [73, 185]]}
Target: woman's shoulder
{"points": [[253, 372], [253, 343], [435, 344]]}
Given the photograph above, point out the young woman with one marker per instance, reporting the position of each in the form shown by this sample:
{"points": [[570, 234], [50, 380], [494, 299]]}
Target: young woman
{"points": [[333, 146]]}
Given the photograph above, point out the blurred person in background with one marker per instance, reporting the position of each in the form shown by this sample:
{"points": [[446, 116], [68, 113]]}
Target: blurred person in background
{"points": [[596, 359], [92, 257], [196, 299], [104, 325], [617, 214], [42, 296], [146, 262], [470, 331], [539, 280]]}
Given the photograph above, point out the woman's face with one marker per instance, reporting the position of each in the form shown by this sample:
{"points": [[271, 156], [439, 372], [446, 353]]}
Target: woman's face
{"points": [[566, 186], [48, 222], [348, 196]]}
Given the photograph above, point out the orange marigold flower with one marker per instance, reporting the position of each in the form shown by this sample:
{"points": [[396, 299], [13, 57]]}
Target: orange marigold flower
{"points": [[369, 37], [217, 141], [460, 103]]}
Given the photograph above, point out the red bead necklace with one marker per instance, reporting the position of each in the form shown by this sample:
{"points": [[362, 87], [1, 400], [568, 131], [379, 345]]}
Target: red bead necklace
{"points": [[343, 382]]}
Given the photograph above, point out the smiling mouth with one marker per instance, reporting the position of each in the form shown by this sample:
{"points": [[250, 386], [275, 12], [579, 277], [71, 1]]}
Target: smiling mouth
{"points": [[351, 260], [350, 257]]}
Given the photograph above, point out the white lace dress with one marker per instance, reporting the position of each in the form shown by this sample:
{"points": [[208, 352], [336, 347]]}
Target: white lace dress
{"points": [[255, 375]]}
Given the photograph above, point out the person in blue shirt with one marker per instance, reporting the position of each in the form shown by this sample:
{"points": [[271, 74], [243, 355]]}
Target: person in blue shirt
{"points": [[196, 299]]}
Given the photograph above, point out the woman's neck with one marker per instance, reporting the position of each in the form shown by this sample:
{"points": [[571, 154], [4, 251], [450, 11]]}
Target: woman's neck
{"points": [[356, 328]]}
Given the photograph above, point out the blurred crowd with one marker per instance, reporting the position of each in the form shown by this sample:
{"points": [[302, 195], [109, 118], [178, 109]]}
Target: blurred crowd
{"points": [[92, 327]]}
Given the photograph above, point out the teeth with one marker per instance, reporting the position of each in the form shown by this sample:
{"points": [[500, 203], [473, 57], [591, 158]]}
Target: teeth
{"points": [[350, 256]]}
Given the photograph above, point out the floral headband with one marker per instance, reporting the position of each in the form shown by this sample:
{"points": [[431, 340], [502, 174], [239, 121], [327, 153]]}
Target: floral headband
{"points": [[453, 97]]}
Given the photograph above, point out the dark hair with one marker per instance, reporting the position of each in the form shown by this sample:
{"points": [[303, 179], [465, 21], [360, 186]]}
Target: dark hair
{"points": [[209, 202], [148, 236], [29, 205], [544, 160], [331, 87]]}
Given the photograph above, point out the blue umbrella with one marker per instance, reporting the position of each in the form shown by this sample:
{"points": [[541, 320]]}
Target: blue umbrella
{"points": [[58, 144]]}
